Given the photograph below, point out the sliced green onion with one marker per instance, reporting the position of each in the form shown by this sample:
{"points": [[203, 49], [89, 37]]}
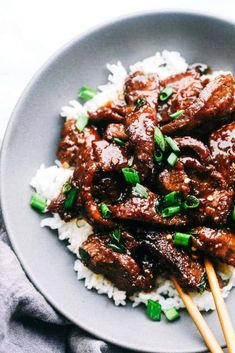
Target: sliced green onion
{"points": [[191, 202], [131, 161], [66, 187], [140, 190], [202, 284], [118, 248], [165, 94], [158, 156], [170, 211], [173, 198], [86, 93], [38, 203], [154, 310], [159, 139], [181, 239], [177, 114], [82, 122], [233, 214], [140, 102], [71, 195], [131, 175], [172, 144], [105, 211], [118, 141], [84, 254], [116, 235], [172, 159], [172, 314]]}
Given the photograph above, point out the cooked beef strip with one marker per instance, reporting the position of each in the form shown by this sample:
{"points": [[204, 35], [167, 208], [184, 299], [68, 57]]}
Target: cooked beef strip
{"points": [[105, 115], [218, 243], [209, 187], [109, 188], [214, 101], [191, 144], [110, 157], [72, 141], [139, 85], [144, 210], [115, 131], [189, 272], [186, 86], [121, 269], [222, 146], [174, 180], [140, 127]]}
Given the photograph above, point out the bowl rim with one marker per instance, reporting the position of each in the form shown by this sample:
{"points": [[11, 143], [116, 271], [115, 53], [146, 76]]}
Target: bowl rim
{"points": [[13, 117]]}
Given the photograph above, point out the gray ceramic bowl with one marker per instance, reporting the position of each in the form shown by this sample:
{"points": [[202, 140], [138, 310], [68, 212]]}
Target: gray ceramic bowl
{"points": [[32, 138]]}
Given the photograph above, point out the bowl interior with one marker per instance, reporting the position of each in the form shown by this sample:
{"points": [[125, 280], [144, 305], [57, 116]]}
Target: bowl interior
{"points": [[32, 138]]}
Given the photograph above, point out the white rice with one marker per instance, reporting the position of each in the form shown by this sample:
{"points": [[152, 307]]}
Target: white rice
{"points": [[49, 181]]}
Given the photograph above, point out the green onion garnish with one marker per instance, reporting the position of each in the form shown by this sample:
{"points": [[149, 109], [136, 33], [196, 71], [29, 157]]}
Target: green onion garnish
{"points": [[118, 248], [158, 156], [177, 114], [165, 94], [159, 139], [38, 203], [84, 254], [86, 93], [140, 190], [233, 214], [131, 175], [105, 211], [173, 198], [172, 144], [191, 202], [154, 310], [170, 211], [181, 239], [202, 284], [172, 314], [82, 122], [66, 187], [116, 235], [172, 159], [71, 195], [140, 102], [118, 141], [131, 161]]}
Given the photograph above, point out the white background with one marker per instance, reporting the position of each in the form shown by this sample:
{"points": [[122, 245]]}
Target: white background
{"points": [[30, 31]]}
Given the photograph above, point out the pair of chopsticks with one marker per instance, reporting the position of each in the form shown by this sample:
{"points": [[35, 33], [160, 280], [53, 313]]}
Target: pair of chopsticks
{"points": [[223, 315]]}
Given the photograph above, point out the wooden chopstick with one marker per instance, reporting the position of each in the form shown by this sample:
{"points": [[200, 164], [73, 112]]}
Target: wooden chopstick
{"points": [[198, 319], [222, 311]]}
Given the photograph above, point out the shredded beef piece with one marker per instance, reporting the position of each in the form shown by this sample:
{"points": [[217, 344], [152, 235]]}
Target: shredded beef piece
{"points": [[214, 101], [222, 145], [140, 85], [121, 269], [218, 243], [188, 272]]}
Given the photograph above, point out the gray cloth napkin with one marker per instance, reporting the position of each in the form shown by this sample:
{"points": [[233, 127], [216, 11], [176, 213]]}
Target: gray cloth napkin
{"points": [[28, 324]]}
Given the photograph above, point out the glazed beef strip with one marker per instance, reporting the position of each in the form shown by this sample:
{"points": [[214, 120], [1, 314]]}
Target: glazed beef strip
{"points": [[216, 100], [222, 146], [142, 86], [115, 131], [72, 142], [175, 260], [140, 127], [141, 209], [186, 88], [219, 243], [124, 272]]}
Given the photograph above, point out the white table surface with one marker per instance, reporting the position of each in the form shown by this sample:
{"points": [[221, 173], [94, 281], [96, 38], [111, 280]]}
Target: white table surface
{"points": [[31, 31]]}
